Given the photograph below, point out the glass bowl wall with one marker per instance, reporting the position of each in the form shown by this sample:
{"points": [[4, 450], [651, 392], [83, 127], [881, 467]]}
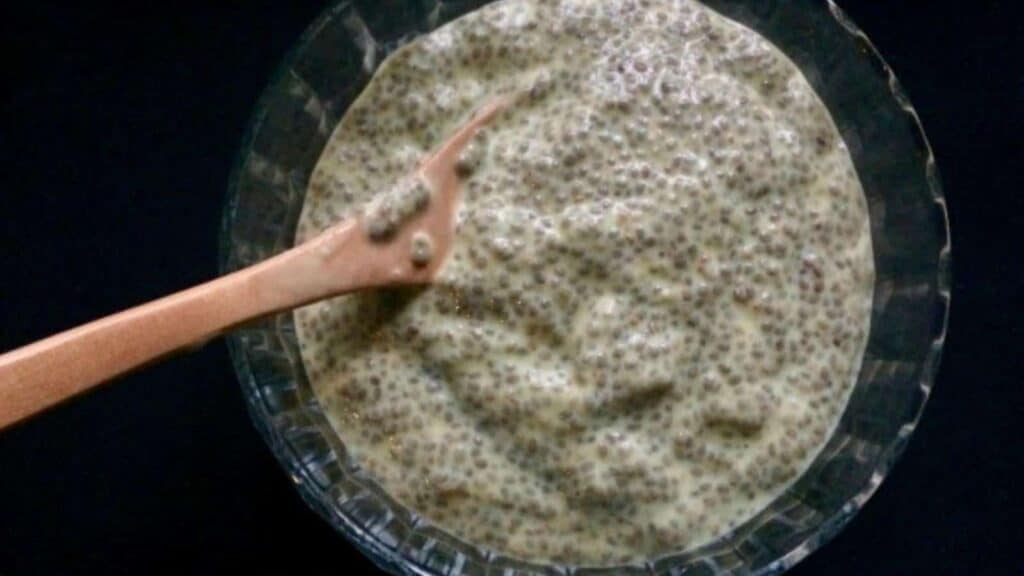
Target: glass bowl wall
{"points": [[327, 70]]}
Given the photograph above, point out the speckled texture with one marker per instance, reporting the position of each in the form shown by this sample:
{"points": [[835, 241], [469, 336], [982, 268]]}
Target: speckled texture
{"points": [[390, 208], [657, 302]]}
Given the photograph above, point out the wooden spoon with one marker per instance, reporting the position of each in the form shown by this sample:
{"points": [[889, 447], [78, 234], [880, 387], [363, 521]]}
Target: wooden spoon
{"points": [[342, 259]]}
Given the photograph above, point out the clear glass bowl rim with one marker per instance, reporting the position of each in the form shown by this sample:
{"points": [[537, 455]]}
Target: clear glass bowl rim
{"points": [[296, 465]]}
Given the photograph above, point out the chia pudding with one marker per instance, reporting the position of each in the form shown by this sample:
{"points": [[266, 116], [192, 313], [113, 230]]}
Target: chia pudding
{"points": [[657, 300]]}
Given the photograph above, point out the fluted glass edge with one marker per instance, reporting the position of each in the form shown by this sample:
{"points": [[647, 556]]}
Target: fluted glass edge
{"points": [[297, 113]]}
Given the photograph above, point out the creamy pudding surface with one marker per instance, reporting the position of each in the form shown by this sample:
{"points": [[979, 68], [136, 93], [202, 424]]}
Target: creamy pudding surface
{"points": [[659, 295]]}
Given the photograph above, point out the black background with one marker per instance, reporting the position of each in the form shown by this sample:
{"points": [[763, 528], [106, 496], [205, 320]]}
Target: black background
{"points": [[118, 126]]}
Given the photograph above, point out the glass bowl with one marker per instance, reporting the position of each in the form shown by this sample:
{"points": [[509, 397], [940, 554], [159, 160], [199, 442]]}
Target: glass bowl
{"points": [[326, 71]]}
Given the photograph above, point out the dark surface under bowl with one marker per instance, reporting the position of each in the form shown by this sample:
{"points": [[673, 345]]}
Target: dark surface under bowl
{"points": [[119, 125]]}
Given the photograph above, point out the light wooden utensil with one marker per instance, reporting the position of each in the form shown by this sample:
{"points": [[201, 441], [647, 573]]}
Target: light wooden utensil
{"points": [[341, 260]]}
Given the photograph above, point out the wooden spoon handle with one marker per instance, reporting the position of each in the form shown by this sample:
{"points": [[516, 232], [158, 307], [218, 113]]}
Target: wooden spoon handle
{"points": [[340, 260], [50, 371]]}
